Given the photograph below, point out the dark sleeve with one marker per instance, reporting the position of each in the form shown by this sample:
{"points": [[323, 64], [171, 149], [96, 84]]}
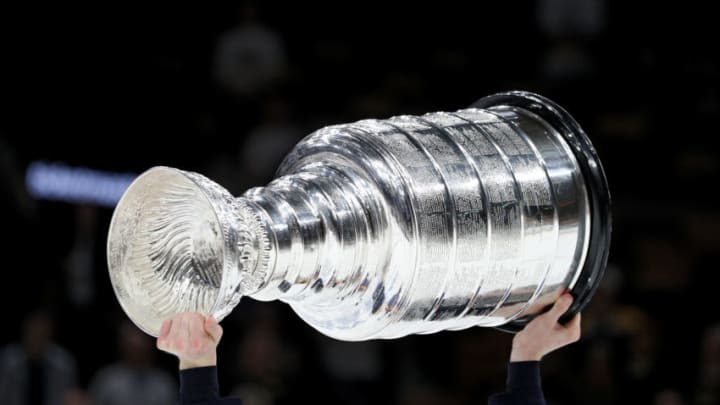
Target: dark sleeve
{"points": [[523, 385], [199, 386]]}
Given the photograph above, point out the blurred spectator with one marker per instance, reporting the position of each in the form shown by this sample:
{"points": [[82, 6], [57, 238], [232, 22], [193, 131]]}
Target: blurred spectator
{"points": [[662, 265], [80, 261], [479, 354], [77, 397], [133, 380], [598, 384], [669, 397], [355, 369], [18, 218], [709, 378], [567, 60], [559, 18], [36, 371], [250, 56], [701, 228], [267, 144], [260, 152], [16, 200], [636, 352], [266, 364], [570, 26], [427, 394]]}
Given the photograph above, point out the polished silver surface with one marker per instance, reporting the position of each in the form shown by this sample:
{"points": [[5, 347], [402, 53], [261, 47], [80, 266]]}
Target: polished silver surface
{"points": [[375, 229]]}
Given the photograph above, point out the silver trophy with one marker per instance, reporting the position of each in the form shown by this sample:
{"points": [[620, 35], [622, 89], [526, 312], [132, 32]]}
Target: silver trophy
{"points": [[380, 228]]}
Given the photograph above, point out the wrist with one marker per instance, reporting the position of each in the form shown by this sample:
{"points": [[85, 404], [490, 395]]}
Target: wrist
{"points": [[519, 354], [210, 361]]}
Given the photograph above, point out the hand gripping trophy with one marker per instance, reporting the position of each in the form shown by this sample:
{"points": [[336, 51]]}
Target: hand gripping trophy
{"points": [[380, 228]]}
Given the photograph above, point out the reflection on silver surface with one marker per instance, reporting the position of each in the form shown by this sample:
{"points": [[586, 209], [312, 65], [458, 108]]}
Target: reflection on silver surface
{"points": [[375, 229]]}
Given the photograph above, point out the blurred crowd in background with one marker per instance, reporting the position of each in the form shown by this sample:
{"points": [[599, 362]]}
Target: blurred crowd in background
{"points": [[227, 90]]}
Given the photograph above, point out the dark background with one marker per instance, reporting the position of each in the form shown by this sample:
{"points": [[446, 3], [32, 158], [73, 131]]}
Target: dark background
{"points": [[124, 89]]}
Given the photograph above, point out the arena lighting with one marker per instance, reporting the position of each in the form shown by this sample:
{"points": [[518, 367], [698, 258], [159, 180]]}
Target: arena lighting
{"points": [[60, 182]]}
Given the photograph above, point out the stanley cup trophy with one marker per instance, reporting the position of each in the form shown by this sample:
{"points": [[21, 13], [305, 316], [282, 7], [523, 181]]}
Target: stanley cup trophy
{"points": [[380, 228]]}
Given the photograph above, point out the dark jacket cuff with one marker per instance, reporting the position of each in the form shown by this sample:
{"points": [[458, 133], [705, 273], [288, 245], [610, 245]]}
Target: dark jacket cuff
{"points": [[198, 385], [524, 376]]}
